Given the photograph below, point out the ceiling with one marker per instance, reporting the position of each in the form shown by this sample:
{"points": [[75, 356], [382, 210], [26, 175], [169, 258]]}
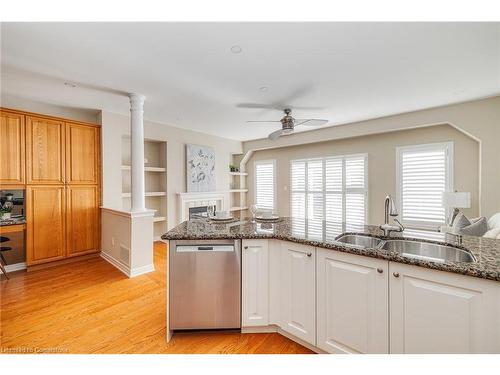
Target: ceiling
{"points": [[342, 72]]}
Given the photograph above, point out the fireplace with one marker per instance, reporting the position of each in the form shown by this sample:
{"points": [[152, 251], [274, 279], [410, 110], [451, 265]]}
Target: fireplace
{"points": [[198, 212], [199, 202]]}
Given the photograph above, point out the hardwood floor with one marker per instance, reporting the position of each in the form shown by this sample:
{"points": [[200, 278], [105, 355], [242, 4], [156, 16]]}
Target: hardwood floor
{"points": [[91, 307]]}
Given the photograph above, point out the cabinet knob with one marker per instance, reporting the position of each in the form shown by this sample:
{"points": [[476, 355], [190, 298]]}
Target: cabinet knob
{"points": [[246, 247], [309, 254], [395, 274], [380, 270]]}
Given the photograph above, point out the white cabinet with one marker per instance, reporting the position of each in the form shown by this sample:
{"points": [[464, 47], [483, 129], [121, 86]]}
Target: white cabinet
{"points": [[274, 282], [255, 283], [439, 312], [298, 291], [352, 303]]}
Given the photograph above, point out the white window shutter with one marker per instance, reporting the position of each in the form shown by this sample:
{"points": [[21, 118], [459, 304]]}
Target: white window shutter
{"points": [[265, 184], [355, 201], [424, 173], [331, 189]]}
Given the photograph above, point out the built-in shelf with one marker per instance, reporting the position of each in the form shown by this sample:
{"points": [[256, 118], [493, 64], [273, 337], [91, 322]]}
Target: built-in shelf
{"points": [[148, 194], [155, 180], [238, 174], [146, 169], [238, 208], [238, 190]]}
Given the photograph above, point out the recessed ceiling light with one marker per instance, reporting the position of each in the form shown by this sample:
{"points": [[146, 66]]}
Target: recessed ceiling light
{"points": [[70, 84], [236, 49], [264, 88]]}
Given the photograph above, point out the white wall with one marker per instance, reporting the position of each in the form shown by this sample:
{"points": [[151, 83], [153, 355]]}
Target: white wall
{"points": [[480, 119], [115, 126]]}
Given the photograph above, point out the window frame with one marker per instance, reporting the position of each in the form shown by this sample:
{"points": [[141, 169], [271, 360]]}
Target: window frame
{"points": [[266, 161], [449, 181], [324, 192]]}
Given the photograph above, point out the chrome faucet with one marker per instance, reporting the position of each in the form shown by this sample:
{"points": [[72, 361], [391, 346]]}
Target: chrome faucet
{"points": [[390, 209]]}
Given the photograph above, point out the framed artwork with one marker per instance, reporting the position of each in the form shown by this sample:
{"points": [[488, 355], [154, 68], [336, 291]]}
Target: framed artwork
{"points": [[200, 168]]}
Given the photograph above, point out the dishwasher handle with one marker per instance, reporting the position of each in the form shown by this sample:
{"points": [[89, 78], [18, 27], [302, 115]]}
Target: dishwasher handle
{"points": [[204, 248]]}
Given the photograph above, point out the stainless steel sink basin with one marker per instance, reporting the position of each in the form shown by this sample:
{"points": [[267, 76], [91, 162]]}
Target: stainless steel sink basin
{"points": [[429, 251], [360, 240]]}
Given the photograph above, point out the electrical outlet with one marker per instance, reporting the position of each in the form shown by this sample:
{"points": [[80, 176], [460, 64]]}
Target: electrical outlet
{"points": [[112, 242]]}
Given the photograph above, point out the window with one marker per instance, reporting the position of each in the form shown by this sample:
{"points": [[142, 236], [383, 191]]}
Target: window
{"points": [[265, 184], [332, 189], [424, 172]]}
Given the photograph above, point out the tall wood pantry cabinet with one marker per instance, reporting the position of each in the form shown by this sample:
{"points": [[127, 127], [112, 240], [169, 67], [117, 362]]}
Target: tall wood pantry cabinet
{"points": [[57, 161]]}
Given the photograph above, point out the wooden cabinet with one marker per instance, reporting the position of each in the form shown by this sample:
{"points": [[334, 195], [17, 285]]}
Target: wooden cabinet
{"points": [[58, 162], [82, 154], [46, 229], [44, 151], [82, 220], [298, 291], [12, 144], [439, 312], [352, 303], [255, 283]]}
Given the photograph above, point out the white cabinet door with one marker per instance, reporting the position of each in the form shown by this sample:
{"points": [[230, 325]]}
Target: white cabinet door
{"points": [[352, 303], [255, 283], [298, 290], [274, 282], [439, 312]]}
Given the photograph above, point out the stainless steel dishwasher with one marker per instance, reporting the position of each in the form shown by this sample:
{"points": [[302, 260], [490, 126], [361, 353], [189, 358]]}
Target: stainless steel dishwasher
{"points": [[205, 284]]}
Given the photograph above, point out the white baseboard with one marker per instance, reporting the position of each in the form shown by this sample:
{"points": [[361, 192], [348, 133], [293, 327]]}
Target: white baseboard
{"points": [[122, 267], [301, 342], [260, 329], [141, 270], [274, 328], [15, 267], [130, 272]]}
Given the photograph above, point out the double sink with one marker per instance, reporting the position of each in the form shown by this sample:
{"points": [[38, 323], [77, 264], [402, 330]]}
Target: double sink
{"points": [[410, 248]]}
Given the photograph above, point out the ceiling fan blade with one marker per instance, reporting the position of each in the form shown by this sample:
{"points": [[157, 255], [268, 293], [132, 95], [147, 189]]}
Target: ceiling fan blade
{"points": [[310, 122], [258, 106], [278, 107], [263, 122], [275, 135]]}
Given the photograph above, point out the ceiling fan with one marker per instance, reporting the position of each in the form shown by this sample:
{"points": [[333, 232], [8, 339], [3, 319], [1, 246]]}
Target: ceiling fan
{"points": [[288, 124]]}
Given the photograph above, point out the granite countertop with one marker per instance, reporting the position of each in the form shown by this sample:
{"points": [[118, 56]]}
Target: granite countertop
{"points": [[323, 234], [12, 221]]}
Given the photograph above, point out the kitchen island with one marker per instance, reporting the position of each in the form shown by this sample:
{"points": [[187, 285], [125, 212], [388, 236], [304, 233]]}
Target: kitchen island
{"points": [[298, 280]]}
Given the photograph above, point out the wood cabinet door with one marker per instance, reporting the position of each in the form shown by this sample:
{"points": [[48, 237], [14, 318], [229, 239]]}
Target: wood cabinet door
{"points": [[298, 291], [352, 303], [45, 217], [44, 151], [255, 283], [82, 220], [12, 143], [435, 312], [82, 154]]}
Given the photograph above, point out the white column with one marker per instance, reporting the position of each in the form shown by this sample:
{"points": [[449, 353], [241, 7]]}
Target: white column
{"points": [[137, 152]]}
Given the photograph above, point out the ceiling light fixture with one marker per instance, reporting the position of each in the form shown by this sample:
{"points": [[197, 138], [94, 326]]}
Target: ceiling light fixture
{"points": [[236, 49]]}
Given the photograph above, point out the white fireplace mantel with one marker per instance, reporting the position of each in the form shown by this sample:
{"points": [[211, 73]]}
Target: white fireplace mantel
{"points": [[220, 199]]}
